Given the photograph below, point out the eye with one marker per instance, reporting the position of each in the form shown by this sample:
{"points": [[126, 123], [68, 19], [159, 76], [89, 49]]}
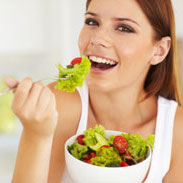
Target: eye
{"points": [[92, 22], [125, 28]]}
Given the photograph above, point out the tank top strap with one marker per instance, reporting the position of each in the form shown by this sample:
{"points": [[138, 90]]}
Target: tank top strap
{"points": [[161, 156], [83, 91]]}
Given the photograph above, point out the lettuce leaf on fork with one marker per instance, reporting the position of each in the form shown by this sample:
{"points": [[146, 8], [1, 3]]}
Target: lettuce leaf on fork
{"points": [[76, 75]]}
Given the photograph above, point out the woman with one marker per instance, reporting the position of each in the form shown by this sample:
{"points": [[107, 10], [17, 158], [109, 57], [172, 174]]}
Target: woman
{"points": [[136, 93]]}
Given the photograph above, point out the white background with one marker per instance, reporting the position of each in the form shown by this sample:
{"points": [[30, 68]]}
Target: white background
{"points": [[34, 36]]}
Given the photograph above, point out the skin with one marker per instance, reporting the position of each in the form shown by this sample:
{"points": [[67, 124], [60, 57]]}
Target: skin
{"points": [[45, 112], [103, 37]]}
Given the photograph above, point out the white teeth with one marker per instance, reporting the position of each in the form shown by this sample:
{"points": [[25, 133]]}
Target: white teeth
{"points": [[101, 60]]}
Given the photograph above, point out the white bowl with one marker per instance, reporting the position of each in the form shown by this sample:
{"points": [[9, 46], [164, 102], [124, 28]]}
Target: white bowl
{"points": [[81, 172]]}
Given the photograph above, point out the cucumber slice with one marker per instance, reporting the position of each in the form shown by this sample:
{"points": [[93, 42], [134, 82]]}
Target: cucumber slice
{"points": [[100, 142]]}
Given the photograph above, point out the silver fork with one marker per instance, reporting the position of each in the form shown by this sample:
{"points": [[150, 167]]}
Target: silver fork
{"points": [[45, 79]]}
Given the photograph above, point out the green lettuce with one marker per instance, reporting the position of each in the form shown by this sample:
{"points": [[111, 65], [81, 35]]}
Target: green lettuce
{"points": [[76, 75], [110, 139], [150, 140], [137, 145], [95, 138], [77, 150], [106, 157]]}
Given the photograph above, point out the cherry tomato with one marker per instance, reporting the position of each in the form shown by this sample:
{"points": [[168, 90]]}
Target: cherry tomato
{"points": [[123, 164], [92, 154], [121, 144], [80, 139], [88, 161], [76, 61], [86, 157]]}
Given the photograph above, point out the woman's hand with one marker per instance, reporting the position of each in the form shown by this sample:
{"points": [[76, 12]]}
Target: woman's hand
{"points": [[35, 106]]}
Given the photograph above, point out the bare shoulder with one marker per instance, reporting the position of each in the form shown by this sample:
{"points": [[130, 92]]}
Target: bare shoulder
{"points": [[67, 102], [175, 173], [73, 97], [68, 108], [69, 111], [178, 126], [179, 115]]}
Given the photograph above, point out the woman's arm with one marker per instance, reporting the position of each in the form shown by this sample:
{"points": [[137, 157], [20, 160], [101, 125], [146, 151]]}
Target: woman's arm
{"points": [[33, 159], [175, 174], [35, 106], [69, 113]]}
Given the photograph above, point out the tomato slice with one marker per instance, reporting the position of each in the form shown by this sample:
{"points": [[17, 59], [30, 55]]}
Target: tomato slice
{"points": [[76, 61], [121, 144]]}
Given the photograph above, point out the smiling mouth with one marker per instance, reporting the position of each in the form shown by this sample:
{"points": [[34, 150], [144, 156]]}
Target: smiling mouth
{"points": [[102, 64]]}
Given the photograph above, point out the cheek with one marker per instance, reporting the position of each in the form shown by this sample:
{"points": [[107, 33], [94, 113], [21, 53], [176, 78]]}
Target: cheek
{"points": [[83, 41], [80, 42], [134, 51], [134, 60]]}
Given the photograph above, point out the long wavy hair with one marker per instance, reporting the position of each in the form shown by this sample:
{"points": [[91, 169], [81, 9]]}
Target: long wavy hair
{"points": [[162, 78]]}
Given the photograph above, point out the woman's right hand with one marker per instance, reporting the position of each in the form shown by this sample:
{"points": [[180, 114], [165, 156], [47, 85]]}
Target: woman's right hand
{"points": [[35, 105]]}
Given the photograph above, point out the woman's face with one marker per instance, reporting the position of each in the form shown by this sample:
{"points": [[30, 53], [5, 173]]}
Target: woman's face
{"points": [[118, 34]]}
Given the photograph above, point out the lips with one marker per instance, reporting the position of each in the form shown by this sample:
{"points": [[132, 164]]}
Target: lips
{"points": [[101, 63]]}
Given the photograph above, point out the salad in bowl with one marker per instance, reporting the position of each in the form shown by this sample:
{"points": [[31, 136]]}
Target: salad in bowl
{"points": [[100, 155]]}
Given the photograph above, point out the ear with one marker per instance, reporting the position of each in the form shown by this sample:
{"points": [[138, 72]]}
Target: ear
{"points": [[161, 50]]}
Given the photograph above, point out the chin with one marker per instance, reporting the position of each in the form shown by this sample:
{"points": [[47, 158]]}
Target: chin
{"points": [[99, 85]]}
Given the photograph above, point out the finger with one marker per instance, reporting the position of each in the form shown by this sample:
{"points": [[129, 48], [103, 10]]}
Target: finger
{"points": [[22, 92], [11, 83], [44, 100], [52, 105], [33, 97], [51, 110]]}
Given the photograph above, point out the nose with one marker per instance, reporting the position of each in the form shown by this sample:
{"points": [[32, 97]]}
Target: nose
{"points": [[101, 39]]}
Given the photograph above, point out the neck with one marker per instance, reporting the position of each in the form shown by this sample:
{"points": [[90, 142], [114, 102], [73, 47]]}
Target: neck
{"points": [[122, 109]]}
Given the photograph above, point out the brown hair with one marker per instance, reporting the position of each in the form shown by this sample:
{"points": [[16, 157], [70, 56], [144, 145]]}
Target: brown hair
{"points": [[162, 78]]}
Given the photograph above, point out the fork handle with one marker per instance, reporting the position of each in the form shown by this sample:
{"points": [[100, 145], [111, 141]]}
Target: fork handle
{"points": [[8, 91], [13, 89], [45, 79]]}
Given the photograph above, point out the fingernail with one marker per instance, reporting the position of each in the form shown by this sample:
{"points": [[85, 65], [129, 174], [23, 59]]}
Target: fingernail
{"points": [[10, 82]]}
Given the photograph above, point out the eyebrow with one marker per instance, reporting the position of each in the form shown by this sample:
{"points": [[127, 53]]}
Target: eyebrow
{"points": [[115, 18]]}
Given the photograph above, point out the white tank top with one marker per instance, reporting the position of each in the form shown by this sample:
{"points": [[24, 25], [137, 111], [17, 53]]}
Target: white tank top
{"points": [[161, 156]]}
